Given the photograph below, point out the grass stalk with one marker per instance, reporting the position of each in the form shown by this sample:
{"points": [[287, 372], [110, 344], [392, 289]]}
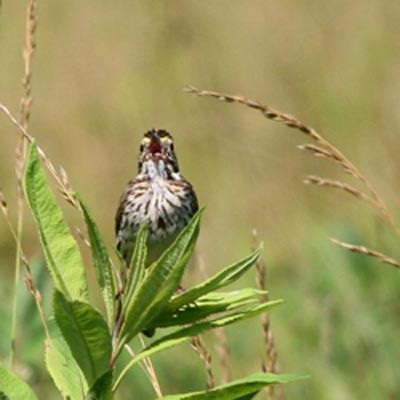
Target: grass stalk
{"points": [[200, 348], [292, 122], [144, 367], [325, 150], [148, 364], [222, 346], [21, 151], [369, 252], [66, 190], [224, 352], [29, 280], [270, 362]]}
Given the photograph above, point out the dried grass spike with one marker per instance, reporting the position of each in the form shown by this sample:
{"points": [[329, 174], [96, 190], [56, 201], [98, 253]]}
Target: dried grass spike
{"points": [[318, 151], [319, 181], [47, 162], [64, 178], [271, 363], [30, 46], [82, 236], [293, 122], [369, 252], [223, 350], [200, 348]]}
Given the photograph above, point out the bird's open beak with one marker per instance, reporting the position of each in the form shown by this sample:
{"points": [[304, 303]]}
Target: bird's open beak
{"points": [[155, 149]]}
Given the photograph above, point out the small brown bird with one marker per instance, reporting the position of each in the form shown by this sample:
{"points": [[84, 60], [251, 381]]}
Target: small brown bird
{"points": [[159, 194]]}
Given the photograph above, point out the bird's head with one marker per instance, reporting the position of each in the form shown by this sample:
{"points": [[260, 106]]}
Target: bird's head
{"points": [[157, 148]]}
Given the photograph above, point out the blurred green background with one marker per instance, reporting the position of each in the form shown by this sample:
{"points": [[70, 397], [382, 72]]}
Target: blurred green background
{"points": [[105, 72]]}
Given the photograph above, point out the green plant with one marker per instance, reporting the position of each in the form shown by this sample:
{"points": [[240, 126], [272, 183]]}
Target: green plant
{"points": [[83, 345]]}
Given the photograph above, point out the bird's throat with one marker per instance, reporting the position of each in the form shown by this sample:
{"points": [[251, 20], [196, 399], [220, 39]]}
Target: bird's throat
{"points": [[155, 169]]}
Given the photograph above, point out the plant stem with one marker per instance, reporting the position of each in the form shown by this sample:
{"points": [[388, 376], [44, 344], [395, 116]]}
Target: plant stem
{"points": [[17, 274]]}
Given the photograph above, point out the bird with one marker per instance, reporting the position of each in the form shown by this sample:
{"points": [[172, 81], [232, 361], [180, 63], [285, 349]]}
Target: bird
{"points": [[158, 195]]}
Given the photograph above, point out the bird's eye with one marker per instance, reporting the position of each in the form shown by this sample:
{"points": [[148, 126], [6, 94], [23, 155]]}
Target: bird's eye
{"points": [[141, 148], [171, 147]]}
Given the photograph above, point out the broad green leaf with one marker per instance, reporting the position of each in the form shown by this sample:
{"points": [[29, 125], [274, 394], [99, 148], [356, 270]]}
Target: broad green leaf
{"points": [[137, 266], [184, 334], [63, 368], [86, 333], [221, 279], [237, 389], [205, 306], [102, 388], [13, 387], [102, 265], [160, 283], [60, 248]]}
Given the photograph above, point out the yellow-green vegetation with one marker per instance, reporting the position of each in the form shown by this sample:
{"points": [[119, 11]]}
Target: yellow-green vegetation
{"points": [[103, 73]]}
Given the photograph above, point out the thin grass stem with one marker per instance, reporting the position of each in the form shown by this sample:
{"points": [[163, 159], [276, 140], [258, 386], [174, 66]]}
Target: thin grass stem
{"points": [[21, 151], [292, 122], [326, 150], [151, 371], [29, 280]]}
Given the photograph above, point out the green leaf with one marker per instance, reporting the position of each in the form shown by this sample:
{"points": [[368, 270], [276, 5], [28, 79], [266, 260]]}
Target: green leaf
{"points": [[248, 396], [218, 322], [221, 279], [235, 390], [13, 387], [62, 366], [136, 267], [60, 248], [184, 334], [160, 283], [102, 265], [101, 390], [86, 333], [205, 306]]}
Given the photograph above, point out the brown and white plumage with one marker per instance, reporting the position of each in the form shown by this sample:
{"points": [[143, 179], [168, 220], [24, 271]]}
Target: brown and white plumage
{"points": [[159, 194]]}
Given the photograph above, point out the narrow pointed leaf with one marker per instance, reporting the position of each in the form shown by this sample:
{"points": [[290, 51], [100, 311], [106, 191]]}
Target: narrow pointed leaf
{"points": [[237, 389], [63, 368], [87, 335], [137, 266], [160, 283], [60, 248], [13, 387], [184, 334], [221, 279], [102, 265], [208, 305], [218, 322]]}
